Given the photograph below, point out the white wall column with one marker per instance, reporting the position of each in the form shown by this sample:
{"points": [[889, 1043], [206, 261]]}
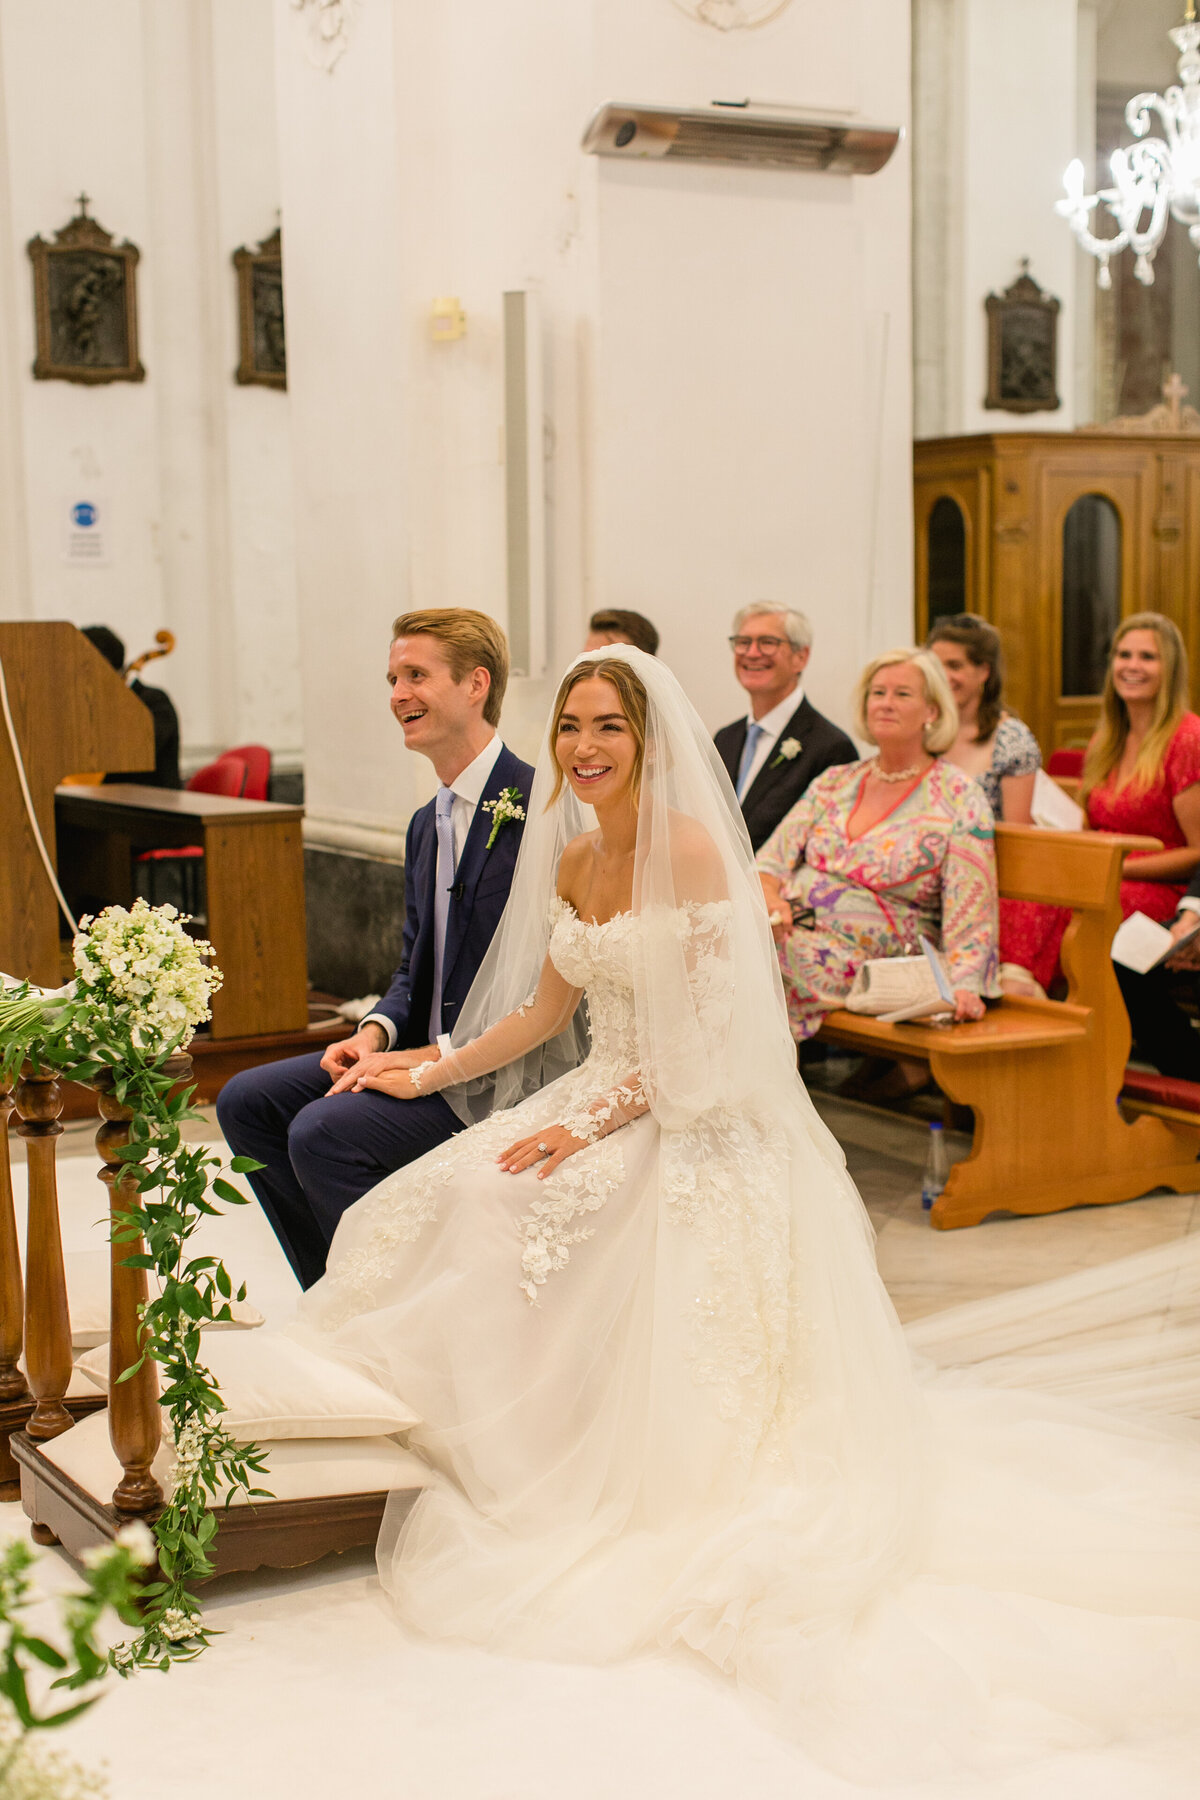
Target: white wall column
{"points": [[998, 97]]}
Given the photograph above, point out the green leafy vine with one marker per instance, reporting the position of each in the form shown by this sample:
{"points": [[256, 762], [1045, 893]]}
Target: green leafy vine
{"points": [[141, 988]]}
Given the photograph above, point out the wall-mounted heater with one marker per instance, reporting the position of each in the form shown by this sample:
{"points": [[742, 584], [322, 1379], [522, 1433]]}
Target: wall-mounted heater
{"points": [[739, 132]]}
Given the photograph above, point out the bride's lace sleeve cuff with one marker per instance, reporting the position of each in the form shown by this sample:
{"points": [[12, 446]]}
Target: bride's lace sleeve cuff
{"points": [[628, 1100]]}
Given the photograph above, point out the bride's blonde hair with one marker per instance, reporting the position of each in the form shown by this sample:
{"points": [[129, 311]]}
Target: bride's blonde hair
{"points": [[634, 704]]}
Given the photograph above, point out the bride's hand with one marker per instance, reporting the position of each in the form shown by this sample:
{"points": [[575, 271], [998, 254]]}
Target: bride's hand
{"points": [[550, 1146], [398, 1083], [381, 1062]]}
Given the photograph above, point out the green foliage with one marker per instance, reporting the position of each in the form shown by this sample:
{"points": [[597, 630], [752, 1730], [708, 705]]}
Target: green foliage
{"points": [[111, 1577], [165, 1188]]}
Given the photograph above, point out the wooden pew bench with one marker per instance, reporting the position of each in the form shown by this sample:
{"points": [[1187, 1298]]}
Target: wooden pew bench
{"points": [[1042, 1077]]}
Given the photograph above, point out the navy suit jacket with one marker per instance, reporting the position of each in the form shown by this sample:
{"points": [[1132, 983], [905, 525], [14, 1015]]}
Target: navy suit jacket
{"points": [[780, 783], [476, 901]]}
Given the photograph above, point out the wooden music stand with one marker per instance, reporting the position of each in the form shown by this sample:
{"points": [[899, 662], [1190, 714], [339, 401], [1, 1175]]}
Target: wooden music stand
{"points": [[71, 711]]}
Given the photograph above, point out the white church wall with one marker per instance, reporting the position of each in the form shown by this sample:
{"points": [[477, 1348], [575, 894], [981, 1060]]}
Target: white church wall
{"points": [[165, 116], [726, 352], [997, 120]]}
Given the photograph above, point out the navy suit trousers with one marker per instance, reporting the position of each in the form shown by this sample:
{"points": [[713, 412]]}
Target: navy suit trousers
{"points": [[320, 1154]]}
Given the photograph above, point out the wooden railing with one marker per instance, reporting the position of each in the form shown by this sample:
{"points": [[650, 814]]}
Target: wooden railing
{"points": [[34, 1315]]}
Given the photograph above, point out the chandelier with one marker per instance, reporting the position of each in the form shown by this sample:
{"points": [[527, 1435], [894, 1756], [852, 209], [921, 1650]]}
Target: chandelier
{"points": [[1159, 175]]}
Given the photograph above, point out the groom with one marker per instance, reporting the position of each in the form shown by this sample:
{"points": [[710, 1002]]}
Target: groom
{"points": [[324, 1143]]}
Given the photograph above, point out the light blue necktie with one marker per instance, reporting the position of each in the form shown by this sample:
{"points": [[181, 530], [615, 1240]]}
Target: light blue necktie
{"points": [[753, 733], [443, 816]]}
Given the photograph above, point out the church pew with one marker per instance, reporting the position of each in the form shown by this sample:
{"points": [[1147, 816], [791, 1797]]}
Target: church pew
{"points": [[1042, 1076]]}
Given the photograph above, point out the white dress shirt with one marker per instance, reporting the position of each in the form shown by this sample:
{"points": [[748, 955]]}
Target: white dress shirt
{"points": [[468, 788], [772, 727]]}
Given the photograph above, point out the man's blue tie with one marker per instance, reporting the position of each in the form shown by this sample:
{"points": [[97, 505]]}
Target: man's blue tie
{"points": [[753, 733], [443, 815]]}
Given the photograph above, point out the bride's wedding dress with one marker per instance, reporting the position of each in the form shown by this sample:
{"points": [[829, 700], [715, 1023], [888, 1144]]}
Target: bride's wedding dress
{"points": [[669, 1402]]}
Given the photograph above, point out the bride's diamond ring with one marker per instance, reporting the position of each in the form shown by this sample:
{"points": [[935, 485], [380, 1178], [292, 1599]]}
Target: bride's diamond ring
{"points": [[545, 1149]]}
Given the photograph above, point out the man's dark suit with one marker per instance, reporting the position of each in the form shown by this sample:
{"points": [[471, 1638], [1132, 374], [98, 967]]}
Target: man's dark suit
{"points": [[322, 1155], [780, 782]]}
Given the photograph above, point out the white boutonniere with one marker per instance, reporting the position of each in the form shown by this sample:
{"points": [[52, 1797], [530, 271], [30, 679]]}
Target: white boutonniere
{"points": [[507, 807], [787, 752]]}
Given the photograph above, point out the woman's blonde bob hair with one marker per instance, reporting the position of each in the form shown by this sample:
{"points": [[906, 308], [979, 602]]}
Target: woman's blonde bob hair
{"points": [[944, 729], [1108, 745], [634, 705]]}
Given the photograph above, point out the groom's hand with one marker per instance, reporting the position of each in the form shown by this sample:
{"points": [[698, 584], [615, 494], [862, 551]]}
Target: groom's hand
{"points": [[347, 1052]]}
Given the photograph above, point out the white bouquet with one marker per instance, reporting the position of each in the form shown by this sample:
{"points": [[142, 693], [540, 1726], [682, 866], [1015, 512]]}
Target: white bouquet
{"points": [[142, 969]]}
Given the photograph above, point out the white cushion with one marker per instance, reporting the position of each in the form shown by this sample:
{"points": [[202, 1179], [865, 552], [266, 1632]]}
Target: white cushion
{"points": [[307, 1469], [274, 1387], [88, 1274]]}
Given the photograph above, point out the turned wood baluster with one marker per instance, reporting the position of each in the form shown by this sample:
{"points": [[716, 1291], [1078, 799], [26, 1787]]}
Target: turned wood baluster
{"points": [[39, 1102], [12, 1292], [134, 1417]]}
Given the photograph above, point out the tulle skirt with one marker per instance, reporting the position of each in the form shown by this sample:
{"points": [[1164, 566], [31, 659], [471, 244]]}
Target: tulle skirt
{"points": [[674, 1408]]}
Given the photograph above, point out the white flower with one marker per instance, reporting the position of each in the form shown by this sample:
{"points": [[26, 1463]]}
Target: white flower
{"points": [[138, 1539], [145, 972], [507, 807], [789, 748]]}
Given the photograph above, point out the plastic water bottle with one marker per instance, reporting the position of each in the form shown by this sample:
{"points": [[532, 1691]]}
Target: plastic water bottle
{"points": [[934, 1178]]}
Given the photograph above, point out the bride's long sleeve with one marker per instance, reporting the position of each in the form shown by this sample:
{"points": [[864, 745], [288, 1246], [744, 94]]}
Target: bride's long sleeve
{"points": [[547, 1012]]}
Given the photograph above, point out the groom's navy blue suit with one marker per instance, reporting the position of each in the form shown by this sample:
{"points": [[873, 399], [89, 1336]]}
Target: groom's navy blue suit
{"points": [[322, 1154]]}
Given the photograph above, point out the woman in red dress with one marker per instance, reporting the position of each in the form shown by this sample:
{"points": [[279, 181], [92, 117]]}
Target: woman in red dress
{"points": [[1142, 775]]}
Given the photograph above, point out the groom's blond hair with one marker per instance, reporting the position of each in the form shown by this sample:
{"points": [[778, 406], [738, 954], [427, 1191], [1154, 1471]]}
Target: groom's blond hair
{"points": [[471, 641]]}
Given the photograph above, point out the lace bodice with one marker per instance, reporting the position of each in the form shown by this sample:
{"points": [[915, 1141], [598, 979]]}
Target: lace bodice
{"points": [[599, 959]]}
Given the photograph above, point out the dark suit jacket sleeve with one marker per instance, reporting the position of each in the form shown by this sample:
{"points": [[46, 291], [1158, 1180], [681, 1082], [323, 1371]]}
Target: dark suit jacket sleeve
{"points": [[837, 748], [396, 1003], [1193, 887]]}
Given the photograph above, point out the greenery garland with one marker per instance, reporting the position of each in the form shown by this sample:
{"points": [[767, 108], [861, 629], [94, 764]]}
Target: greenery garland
{"points": [[141, 988]]}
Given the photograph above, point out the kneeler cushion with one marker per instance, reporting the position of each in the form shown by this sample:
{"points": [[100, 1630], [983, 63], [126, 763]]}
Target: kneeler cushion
{"points": [[274, 1387], [304, 1469]]}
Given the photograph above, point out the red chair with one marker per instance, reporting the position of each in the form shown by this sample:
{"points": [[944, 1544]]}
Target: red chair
{"points": [[1067, 763], [227, 777], [257, 759]]}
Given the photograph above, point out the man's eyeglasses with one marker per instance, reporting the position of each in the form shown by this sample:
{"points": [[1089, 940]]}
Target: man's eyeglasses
{"points": [[743, 644]]}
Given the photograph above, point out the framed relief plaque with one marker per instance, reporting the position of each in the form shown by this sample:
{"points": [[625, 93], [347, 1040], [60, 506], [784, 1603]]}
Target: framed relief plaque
{"points": [[85, 304], [260, 314], [1023, 348]]}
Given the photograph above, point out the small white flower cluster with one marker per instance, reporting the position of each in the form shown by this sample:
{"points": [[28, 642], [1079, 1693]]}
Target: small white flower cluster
{"points": [[31, 1770], [141, 965], [189, 1454], [176, 1625], [136, 1537]]}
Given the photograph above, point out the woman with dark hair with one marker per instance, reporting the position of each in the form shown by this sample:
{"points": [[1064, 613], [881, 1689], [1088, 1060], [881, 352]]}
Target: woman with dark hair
{"points": [[994, 748], [1001, 753]]}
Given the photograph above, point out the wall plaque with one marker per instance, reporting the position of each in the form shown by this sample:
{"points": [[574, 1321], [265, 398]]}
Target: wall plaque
{"points": [[260, 313], [1023, 348], [85, 304]]}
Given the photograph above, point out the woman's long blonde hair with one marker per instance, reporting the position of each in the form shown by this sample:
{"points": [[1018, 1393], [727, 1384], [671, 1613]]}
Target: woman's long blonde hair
{"points": [[1108, 743]]}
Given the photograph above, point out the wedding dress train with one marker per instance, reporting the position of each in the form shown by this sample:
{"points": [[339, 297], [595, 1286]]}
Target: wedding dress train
{"points": [[660, 1419], [669, 1402]]}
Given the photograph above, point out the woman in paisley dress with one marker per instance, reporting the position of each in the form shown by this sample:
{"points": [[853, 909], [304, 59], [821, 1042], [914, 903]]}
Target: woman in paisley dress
{"points": [[878, 853], [665, 1400]]}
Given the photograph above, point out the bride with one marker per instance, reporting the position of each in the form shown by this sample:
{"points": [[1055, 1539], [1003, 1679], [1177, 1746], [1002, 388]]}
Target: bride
{"points": [[665, 1396]]}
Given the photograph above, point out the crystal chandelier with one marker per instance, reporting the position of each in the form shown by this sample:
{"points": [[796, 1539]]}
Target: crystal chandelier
{"points": [[1159, 175]]}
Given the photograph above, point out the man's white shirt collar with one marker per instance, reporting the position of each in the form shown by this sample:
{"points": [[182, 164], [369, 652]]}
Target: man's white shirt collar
{"points": [[469, 783], [772, 723]]}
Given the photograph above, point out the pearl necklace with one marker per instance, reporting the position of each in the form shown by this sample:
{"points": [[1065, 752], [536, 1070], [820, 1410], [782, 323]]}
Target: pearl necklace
{"points": [[898, 775]]}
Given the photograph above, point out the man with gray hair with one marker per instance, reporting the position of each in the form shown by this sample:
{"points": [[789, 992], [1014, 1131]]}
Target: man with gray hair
{"points": [[783, 742]]}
